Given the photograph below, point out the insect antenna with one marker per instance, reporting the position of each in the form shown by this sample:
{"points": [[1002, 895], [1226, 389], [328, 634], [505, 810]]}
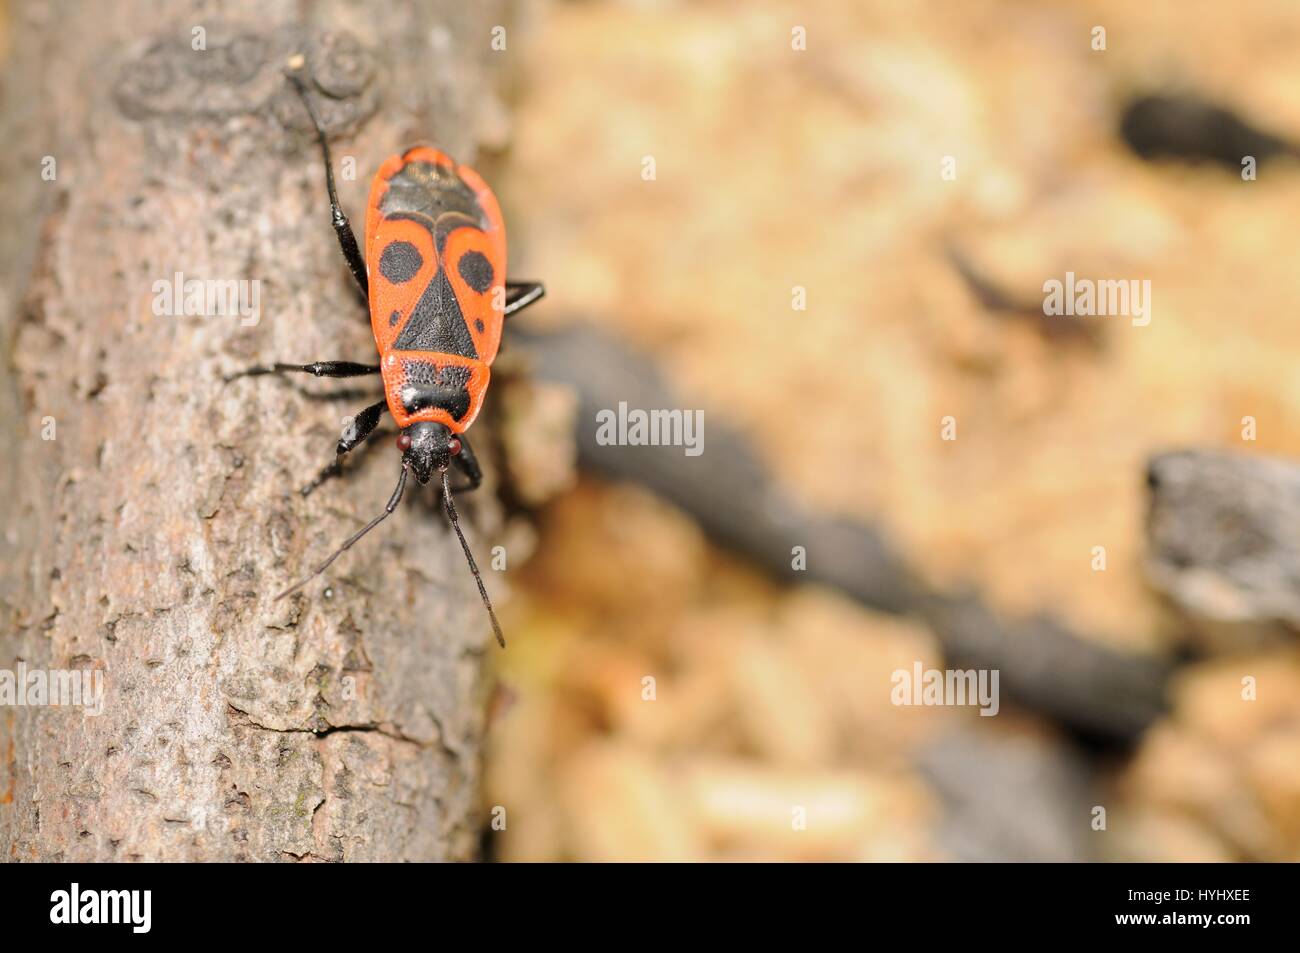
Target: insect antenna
{"points": [[469, 557], [392, 505]]}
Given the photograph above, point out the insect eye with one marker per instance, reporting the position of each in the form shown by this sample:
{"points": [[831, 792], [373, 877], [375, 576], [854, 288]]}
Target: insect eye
{"points": [[404, 442], [453, 446]]}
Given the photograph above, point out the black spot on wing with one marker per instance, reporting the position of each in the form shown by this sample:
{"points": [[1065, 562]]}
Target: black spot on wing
{"points": [[400, 262], [476, 270], [437, 323]]}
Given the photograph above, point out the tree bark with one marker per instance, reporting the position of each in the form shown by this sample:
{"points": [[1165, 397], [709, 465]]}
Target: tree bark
{"points": [[149, 537]]}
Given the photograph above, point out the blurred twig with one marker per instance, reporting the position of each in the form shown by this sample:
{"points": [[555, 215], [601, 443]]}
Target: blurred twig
{"points": [[1096, 692], [1184, 126]]}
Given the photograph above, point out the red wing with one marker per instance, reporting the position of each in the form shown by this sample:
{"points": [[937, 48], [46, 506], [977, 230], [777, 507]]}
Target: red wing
{"points": [[435, 301], [402, 264], [477, 276]]}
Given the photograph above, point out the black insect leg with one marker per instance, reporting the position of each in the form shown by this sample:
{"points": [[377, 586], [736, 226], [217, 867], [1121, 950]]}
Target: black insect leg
{"points": [[318, 369], [361, 427], [520, 294], [342, 228], [467, 463]]}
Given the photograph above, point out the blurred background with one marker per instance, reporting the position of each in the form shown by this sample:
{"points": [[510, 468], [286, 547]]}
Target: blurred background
{"points": [[778, 168]]}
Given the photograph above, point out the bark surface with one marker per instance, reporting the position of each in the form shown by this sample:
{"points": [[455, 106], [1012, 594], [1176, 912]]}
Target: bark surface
{"points": [[148, 538]]}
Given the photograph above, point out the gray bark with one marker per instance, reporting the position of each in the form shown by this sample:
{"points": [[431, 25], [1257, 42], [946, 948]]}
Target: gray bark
{"points": [[149, 537]]}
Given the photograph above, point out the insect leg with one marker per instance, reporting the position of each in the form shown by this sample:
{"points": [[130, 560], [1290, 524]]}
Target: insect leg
{"points": [[520, 294], [318, 369], [342, 228], [361, 427], [467, 463], [388, 510]]}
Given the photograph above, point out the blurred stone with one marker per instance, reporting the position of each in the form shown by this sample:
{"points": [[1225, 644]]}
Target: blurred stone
{"points": [[1009, 796], [538, 428], [1155, 836], [1230, 763], [1223, 537], [760, 812], [621, 805], [778, 170]]}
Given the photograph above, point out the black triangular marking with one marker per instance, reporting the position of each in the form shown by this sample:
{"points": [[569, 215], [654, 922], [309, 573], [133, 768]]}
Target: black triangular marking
{"points": [[437, 323]]}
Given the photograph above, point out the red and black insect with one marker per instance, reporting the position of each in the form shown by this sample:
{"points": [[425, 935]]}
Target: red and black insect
{"points": [[434, 275]]}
